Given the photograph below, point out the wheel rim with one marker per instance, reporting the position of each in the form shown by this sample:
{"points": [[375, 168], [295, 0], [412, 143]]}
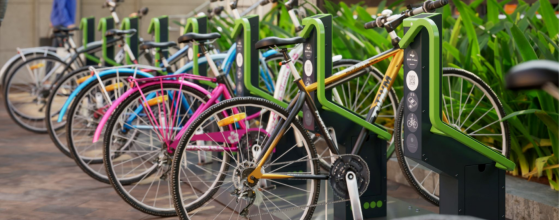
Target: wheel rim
{"points": [[57, 100], [272, 198], [453, 84], [85, 117], [28, 90]]}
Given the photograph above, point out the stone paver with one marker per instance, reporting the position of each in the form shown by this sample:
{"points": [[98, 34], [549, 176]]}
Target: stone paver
{"points": [[39, 182]]}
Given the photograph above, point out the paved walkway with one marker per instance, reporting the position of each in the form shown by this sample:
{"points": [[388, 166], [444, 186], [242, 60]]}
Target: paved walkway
{"points": [[39, 182]]}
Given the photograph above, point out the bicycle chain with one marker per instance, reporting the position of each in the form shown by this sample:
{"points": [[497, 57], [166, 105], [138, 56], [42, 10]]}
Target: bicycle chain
{"points": [[308, 206]]}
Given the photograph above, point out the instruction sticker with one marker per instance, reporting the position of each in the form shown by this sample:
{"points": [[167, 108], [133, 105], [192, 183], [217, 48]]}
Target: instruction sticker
{"points": [[412, 59], [411, 122], [239, 59], [308, 68], [411, 143], [412, 102], [412, 81], [190, 53]]}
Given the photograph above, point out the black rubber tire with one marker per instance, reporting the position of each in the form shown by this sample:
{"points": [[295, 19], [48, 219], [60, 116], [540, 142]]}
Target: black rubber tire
{"points": [[50, 129], [107, 157], [82, 164], [6, 87], [398, 134], [183, 211]]}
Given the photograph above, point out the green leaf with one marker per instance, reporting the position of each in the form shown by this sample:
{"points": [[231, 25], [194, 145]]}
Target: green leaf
{"points": [[380, 6], [467, 22], [475, 4], [540, 162], [452, 51], [394, 4], [549, 18], [522, 44]]}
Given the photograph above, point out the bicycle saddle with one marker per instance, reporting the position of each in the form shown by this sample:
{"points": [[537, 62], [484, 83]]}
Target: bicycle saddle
{"points": [[151, 44], [279, 42], [59, 29], [533, 75], [119, 32], [197, 37]]}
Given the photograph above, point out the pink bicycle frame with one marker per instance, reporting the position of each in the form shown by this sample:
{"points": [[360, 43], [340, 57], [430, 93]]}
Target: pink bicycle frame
{"points": [[165, 131]]}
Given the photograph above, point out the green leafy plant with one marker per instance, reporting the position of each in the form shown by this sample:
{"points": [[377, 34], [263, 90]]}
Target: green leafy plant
{"points": [[487, 46]]}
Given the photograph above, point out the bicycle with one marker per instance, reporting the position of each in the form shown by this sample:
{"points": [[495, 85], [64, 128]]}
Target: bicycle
{"points": [[27, 88], [250, 163]]}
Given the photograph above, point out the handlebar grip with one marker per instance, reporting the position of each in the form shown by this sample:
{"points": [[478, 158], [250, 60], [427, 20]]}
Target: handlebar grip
{"points": [[371, 24], [143, 11], [218, 10], [432, 5]]}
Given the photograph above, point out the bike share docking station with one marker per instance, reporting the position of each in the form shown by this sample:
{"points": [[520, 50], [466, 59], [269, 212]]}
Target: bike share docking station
{"points": [[317, 65], [198, 25], [472, 176], [249, 67], [108, 53], [159, 28], [87, 25]]}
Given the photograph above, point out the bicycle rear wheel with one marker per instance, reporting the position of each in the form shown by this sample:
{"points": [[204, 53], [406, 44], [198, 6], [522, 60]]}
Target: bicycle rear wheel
{"points": [[470, 106], [238, 147], [136, 141], [28, 88]]}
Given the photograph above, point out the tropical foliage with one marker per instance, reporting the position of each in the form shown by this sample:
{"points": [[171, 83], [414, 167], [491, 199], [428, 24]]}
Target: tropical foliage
{"points": [[486, 45]]}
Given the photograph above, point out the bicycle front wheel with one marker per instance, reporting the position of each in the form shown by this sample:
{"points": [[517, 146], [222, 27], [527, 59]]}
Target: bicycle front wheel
{"points": [[58, 97], [470, 106], [238, 143]]}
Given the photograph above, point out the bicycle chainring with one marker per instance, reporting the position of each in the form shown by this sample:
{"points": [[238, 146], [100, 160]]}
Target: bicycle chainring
{"points": [[341, 167]]}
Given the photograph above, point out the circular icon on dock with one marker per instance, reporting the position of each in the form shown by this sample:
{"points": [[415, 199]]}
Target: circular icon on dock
{"points": [[412, 143], [308, 118], [412, 81], [411, 122], [308, 68], [190, 53], [239, 59], [412, 59], [412, 101]]}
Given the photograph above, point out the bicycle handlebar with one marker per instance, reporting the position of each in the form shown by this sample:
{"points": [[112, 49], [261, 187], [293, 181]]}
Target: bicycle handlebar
{"points": [[395, 20]]}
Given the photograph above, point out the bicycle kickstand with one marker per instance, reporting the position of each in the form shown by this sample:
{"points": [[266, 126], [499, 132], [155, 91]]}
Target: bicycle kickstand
{"points": [[353, 190]]}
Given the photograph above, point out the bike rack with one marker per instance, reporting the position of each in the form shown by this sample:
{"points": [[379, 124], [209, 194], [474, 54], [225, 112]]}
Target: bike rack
{"points": [[133, 41], [317, 61], [87, 25], [105, 24], [247, 83], [159, 28], [247, 58], [472, 179], [196, 25]]}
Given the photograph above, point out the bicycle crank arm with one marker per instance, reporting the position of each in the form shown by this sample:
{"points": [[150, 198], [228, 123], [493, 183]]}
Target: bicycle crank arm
{"points": [[293, 176], [353, 191]]}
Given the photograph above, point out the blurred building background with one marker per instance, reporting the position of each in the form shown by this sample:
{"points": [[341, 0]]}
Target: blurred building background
{"points": [[27, 21]]}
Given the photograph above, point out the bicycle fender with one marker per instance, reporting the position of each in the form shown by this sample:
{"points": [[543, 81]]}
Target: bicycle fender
{"points": [[91, 79], [25, 51], [116, 103]]}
